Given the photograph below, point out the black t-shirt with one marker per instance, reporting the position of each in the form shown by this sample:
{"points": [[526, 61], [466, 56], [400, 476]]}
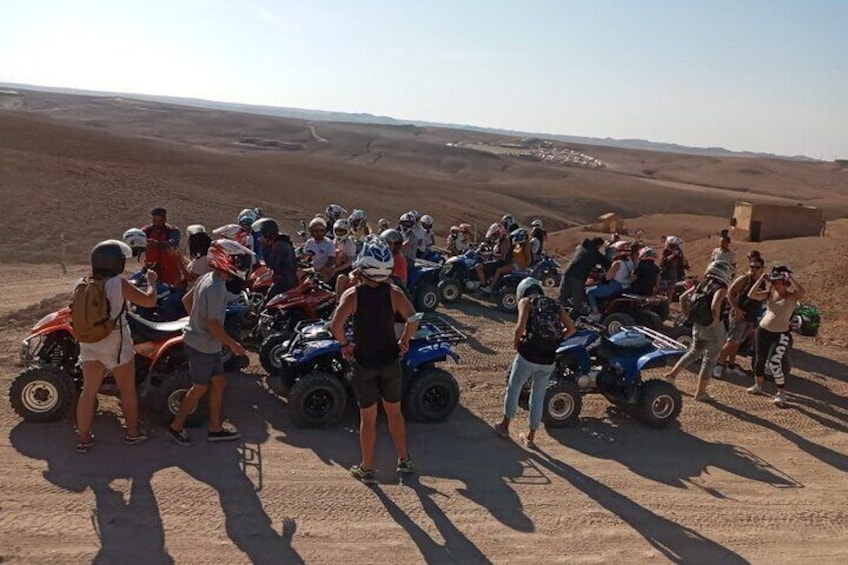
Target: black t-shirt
{"points": [[647, 274]]}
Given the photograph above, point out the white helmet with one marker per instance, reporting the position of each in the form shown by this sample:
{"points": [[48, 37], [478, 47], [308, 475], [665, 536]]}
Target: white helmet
{"points": [[407, 220], [343, 226], [537, 223], [375, 261], [334, 212], [416, 214], [494, 231], [195, 229], [357, 219], [384, 224], [229, 231], [427, 221], [722, 271], [135, 238], [246, 216], [317, 223], [673, 240], [507, 220]]}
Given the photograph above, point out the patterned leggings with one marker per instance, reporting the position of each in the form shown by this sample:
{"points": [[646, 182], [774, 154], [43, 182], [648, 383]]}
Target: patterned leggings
{"points": [[772, 350]]}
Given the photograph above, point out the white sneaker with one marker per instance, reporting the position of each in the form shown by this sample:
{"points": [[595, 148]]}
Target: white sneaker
{"points": [[780, 400], [756, 389]]}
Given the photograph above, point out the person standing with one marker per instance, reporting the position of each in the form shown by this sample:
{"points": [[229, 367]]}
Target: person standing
{"points": [[723, 252], [572, 291], [279, 256], [375, 353], [113, 352], [542, 325], [702, 306], [782, 294], [204, 335], [744, 313], [162, 253], [673, 264]]}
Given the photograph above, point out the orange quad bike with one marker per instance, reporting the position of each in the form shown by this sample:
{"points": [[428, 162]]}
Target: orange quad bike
{"points": [[52, 379]]}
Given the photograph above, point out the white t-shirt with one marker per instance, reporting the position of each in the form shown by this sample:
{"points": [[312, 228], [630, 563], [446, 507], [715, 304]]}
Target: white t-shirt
{"points": [[419, 235], [461, 243], [719, 255], [346, 247], [321, 251]]}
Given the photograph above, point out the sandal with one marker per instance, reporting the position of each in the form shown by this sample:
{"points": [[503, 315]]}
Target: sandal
{"points": [[83, 446], [503, 434], [528, 443], [136, 439]]}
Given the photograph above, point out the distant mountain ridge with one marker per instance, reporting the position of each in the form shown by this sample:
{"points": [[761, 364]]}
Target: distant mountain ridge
{"points": [[365, 118]]}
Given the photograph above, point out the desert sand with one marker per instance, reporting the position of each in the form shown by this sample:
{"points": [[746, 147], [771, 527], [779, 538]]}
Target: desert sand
{"points": [[736, 481]]}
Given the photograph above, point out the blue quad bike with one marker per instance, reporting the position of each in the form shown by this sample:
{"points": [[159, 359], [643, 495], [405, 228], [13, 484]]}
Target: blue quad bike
{"points": [[423, 286], [458, 277], [315, 378], [547, 271], [589, 363]]}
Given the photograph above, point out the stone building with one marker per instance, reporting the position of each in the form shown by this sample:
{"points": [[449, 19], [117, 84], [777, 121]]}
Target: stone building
{"points": [[760, 222]]}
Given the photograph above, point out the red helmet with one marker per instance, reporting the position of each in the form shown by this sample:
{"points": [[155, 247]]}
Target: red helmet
{"points": [[227, 255], [621, 248]]}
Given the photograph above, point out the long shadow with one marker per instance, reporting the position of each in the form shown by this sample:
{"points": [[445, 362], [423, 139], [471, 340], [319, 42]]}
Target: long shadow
{"points": [[669, 456], [132, 531], [470, 332], [677, 543], [812, 363], [487, 470], [824, 454], [480, 306]]}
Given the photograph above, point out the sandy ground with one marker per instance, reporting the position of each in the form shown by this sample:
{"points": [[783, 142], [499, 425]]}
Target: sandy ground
{"points": [[737, 481]]}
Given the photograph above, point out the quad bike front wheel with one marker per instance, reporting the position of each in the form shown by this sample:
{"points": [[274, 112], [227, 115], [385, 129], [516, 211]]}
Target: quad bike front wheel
{"points": [[169, 396], [616, 321], [506, 300], [317, 399], [272, 350], [432, 396], [450, 291], [427, 298], [659, 403], [42, 393]]}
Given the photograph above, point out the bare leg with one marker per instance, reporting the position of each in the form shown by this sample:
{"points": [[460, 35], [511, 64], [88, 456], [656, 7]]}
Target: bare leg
{"points": [[216, 401], [189, 403], [93, 373], [125, 377], [481, 274], [368, 435], [397, 427]]}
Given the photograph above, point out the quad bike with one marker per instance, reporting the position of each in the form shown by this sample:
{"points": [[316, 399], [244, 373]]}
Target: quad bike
{"points": [[589, 363], [458, 276], [316, 378], [423, 287], [629, 309], [548, 272], [673, 291], [52, 378]]}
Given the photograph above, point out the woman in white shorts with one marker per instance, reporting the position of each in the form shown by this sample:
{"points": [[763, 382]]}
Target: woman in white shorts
{"points": [[113, 354]]}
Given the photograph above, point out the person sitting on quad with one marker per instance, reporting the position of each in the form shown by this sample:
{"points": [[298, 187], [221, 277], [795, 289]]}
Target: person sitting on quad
{"points": [[359, 228], [502, 254], [410, 239], [332, 213], [573, 288], [429, 237], [137, 241], [394, 240], [608, 252], [452, 242], [744, 314], [382, 225], [537, 239], [617, 278], [163, 253], [320, 250], [198, 245], [279, 253], [647, 274], [244, 236], [521, 256], [420, 234], [345, 255], [674, 265]]}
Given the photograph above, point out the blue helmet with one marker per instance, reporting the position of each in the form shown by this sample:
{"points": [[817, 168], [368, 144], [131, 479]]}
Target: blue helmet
{"points": [[375, 261]]}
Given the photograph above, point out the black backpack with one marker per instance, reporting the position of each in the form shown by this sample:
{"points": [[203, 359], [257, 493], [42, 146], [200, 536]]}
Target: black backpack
{"points": [[544, 324], [701, 302]]}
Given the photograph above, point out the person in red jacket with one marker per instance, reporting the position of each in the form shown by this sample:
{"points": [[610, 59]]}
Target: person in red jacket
{"points": [[162, 252]]}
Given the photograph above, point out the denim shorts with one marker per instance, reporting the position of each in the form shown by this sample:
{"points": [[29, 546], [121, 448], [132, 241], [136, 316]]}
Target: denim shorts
{"points": [[203, 366]]}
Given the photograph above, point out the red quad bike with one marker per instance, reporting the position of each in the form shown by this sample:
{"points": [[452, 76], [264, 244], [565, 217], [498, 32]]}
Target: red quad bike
{"points": [[52, 380], [312, 299], [630, 309]]}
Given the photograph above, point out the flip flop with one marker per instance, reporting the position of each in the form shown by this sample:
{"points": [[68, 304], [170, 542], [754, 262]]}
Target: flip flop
{"points": [[498, 430], [528, 443]]}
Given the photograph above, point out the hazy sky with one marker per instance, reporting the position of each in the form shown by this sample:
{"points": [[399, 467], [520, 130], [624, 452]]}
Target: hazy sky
{"points": [[767, 75]]}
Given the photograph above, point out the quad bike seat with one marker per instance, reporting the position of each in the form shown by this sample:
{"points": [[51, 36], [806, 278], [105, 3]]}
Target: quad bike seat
{"points": [[145, 330]]}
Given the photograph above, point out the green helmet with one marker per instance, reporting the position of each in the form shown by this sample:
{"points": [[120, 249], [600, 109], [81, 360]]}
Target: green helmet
{"points": [[528, 286]]}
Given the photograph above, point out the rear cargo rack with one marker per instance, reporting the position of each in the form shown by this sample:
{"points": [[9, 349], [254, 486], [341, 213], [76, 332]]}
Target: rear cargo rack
{"points": [[435, 329], [660, 340]]}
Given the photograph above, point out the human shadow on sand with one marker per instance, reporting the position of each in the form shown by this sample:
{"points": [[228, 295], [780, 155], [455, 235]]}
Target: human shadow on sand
{"points": [[470, 331], [131, 531], [677, 543], [670, 456]]}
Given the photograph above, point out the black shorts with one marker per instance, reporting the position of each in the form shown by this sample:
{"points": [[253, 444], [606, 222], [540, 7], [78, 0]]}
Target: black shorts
{"points": [[370, 385]]}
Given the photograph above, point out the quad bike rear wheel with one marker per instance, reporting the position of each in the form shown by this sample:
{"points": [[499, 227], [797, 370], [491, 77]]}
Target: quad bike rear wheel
{"points": [[549, 281], [432, 396], [42, 393], [450, 291], [169, 396], [427, 298], [506, 300], [659, 403], [271, 352]]}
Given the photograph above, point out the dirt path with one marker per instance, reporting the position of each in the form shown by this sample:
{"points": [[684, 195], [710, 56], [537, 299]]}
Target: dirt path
{"points": [[738, 481]]}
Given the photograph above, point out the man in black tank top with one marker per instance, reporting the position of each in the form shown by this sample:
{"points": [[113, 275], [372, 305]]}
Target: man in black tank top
{"points": [[375, 353]]}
